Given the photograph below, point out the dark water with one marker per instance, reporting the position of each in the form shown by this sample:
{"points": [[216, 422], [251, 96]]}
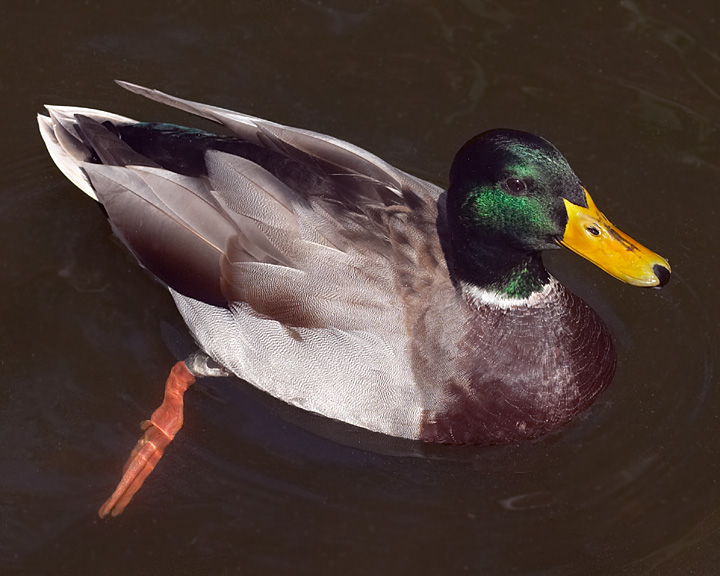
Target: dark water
{"points": [[629, 91]]}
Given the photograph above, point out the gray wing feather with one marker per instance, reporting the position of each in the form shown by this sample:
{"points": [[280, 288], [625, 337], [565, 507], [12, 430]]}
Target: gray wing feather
{"points": [[333, 255], [266, 133], [172, 230]]}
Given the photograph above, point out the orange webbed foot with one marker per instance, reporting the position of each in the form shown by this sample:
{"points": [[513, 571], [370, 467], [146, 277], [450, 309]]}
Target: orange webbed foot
{"points": [[159, 432]]}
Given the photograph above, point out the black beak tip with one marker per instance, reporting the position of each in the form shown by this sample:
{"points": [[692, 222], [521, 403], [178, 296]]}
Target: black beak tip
{"points": [[663, 275]]}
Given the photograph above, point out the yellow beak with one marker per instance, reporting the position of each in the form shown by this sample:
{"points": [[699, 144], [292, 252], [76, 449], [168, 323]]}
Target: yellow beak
{"points": [[590, 234]]}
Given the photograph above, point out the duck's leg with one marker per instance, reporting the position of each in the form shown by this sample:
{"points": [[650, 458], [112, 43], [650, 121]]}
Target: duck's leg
{"points": [[159, 430]]}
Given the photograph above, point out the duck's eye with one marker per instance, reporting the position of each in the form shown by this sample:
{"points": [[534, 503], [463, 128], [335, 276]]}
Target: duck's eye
{"points": [[515, 185], [593, 231]]}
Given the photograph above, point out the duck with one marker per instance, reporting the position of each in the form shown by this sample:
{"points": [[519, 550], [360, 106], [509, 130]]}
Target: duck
{"points": [[328, 278]]}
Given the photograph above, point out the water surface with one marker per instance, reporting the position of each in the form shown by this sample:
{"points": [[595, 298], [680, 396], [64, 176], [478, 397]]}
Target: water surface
{"points": [[629, 91]]}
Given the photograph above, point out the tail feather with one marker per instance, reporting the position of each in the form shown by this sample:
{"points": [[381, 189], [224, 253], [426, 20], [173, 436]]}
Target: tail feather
{"points": [[66, 145]]}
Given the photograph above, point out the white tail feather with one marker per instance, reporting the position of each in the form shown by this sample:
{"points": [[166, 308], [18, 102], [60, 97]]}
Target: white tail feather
{"points": [[63, 117]]}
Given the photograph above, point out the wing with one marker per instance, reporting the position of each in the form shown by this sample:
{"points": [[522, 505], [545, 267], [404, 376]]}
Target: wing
{"points": [[307, 229]]}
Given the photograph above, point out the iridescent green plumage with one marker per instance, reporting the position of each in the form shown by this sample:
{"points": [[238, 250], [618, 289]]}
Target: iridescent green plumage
{"points": [[506, 194]]}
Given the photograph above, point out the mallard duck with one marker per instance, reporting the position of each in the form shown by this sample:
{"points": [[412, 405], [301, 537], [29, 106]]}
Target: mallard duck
{"points": [[331, 280]]}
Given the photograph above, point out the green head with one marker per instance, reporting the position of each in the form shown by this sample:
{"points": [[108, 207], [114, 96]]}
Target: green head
{"points": [[511, 195], [508, 186]]}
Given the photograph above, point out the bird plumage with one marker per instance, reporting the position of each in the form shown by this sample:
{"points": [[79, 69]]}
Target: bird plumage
{"points": [[340, 284]]}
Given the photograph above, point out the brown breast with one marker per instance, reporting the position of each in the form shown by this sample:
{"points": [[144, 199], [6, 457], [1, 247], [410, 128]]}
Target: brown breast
{"points": [[521, 372]]}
